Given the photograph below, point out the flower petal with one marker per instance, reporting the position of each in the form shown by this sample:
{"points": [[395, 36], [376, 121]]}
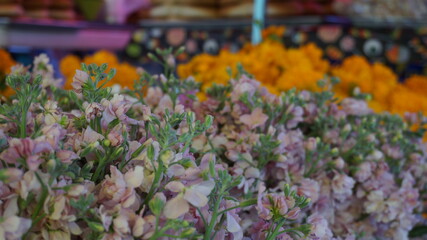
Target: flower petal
{"points": [[176, 207], [232, 225], [196, 198], [175, 186], [204, 187]]}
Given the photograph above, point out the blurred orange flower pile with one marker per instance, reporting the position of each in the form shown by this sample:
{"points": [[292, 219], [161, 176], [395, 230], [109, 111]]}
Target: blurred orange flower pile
{"points": [[280, 68], [126, 73], [6, 63]]}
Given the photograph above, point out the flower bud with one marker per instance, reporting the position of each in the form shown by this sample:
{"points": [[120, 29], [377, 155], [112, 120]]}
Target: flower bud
{"points": [[186, 233], [191, 117], [106, 143], [347, 128], [167, 156], [97, 227], [334, 151], [117, 153], [170, 61], [185, 223], [310, 144], [51, 165], [157, 203], [287, 190], [339, 163]]}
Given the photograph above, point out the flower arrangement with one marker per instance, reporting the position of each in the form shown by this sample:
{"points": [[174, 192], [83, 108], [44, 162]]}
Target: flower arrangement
{"points": [[280, 69], [243, 164], [127, 72]]}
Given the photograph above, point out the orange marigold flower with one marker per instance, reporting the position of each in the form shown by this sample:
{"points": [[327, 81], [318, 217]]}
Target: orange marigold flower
{"points": [[6, 63], [273, 31]]}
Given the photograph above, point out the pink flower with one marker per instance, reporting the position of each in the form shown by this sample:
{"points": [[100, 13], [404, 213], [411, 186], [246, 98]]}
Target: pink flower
{"points": [[117, 188], [355, 107], [14, 227], [93, 110], [164, 103], [255, 119], [154, 94], [319, 226], [263, 205], [53, 134], [115, 138], [116, 108], [342, 186], [245, 85], [66, 156], [90, 136], [79, 79], [309, 188], [196, 195], [364, 171], [26, 148]]}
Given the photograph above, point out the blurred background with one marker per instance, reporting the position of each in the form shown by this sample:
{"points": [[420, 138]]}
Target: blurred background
{"points": [[122, 32]]}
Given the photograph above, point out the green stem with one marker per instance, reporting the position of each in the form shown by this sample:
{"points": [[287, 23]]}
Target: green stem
{"points": [[36, 216], [23, 125], [157, 177], [98, 170], [213, 219], [276, 232], [201, 215], [244, 204]]}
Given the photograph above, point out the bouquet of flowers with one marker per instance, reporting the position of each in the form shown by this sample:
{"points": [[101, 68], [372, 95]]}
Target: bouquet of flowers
{"points": [[157, 163]]}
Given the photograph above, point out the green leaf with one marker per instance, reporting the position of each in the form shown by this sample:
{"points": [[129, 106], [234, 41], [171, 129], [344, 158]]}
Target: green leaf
{"points": [[150, 152], [418, 231]]}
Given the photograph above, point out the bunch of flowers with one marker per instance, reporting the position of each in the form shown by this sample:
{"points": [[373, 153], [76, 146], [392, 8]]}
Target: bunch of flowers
{"points": [[127, 73], [243, 164], [281, 69]]}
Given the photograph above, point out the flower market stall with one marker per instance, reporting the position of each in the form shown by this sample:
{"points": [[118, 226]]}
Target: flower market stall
{"points": [[282, 138]]}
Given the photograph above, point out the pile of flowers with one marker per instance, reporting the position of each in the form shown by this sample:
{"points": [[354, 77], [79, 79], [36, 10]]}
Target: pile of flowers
{"points": [[127, 73], [280, 69], [243, 164]]}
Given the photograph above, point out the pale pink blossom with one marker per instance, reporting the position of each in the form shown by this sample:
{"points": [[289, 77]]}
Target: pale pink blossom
{"points": [[79, 79], [195, 195], [115, 189], [14, 227], [256, 119], [90, 136], [364, 171], [342, 186], [319, 227], [115, 138], [28, 149], [66, 156], [116, 108], [309, 188], [93, 110], [355, 107], [154, 94], [244, 86]]}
